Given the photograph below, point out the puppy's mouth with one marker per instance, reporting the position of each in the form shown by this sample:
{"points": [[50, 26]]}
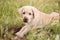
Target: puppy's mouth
{"points": [[25, 21]]}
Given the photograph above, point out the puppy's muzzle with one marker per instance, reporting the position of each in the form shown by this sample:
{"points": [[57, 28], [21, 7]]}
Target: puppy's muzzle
{"points": [[25, 20]]}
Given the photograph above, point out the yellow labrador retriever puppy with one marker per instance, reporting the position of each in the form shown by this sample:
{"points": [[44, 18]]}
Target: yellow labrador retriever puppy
{"points": [[35, 19]]}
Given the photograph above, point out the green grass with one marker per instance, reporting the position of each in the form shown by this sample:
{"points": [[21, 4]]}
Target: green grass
{"points": [[9, 15]]}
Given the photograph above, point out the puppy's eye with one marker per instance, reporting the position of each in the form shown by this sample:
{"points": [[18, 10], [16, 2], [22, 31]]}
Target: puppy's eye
{"points": [[29, 13], [23, 12]]}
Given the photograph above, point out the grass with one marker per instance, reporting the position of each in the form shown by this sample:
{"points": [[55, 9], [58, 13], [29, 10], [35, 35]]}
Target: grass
{"points": [[9, 15]]}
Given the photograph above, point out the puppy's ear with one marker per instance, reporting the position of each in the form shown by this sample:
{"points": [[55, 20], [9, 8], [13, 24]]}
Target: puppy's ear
{"points": [[35, 12], [20, 10]]}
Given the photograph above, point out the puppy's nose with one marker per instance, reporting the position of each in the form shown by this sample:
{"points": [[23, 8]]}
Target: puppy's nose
{"points": [[25, 20]]}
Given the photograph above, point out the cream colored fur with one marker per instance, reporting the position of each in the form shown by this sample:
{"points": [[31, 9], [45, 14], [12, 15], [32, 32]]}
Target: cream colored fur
{"points": [[38, 21]]}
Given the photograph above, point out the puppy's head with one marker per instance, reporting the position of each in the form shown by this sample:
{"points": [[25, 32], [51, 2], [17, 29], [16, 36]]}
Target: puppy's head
{"points": [[26, 13]]}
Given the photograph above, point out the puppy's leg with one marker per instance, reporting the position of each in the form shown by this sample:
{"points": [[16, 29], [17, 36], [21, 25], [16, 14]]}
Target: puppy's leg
{"points": [[23, 31], [55, 18], [19, 34]]}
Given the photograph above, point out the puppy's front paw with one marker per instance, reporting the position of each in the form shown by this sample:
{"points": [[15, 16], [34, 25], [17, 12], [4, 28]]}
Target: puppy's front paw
{"points": [[19, 35]]}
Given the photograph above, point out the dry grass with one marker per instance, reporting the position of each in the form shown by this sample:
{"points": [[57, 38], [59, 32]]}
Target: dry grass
{"points": [[9, 17]]}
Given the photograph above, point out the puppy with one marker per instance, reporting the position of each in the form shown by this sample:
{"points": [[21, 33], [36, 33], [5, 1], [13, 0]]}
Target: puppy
{"points": [[35, 19]]}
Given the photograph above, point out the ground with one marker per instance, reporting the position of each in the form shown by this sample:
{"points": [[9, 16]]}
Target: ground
{"points": [[10, 19]]}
